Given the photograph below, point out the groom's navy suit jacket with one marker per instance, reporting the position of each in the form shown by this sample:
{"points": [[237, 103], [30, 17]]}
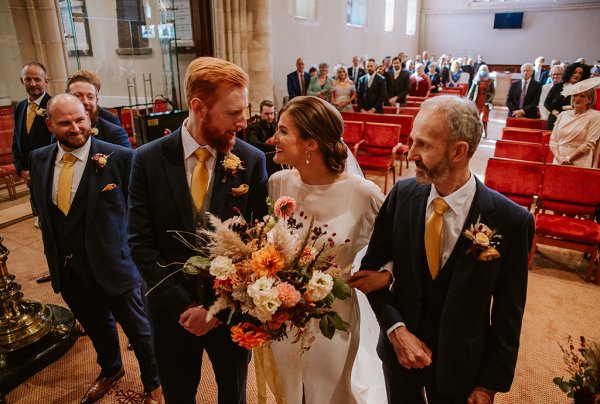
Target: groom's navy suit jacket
{"points": [[105, 225], [473, 348], [160, 202]]}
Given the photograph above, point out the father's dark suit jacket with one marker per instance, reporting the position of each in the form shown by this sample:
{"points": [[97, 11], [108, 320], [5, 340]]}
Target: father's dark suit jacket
{"points": [[106, 248], [112, 133], [374, 96], [473, 349], [397, 87], [532, 98], [293, 84], [38, 136]]}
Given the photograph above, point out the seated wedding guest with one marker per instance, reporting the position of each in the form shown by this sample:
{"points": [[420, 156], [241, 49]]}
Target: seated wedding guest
{"points": [[555, 76], [371, 90], [574, 139], [442, 339], [420, 85], [397, 84], [320, 86], [343, 91], [309, 139], [434, 78], [81, 85], [482, 92], [555, 102], [454, 74], [80, 185], [524, 95], [297, 81], [95, 80], [264, 129]]}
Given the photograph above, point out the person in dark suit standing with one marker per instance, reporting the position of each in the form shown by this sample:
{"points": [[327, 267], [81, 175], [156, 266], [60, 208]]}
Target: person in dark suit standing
{"points": [[80, 188], [371, 90], [437, 335], [355, 72], [524, 95], [176, 182], [30, 131], [298, 80], [82, 87], [397, 84]]}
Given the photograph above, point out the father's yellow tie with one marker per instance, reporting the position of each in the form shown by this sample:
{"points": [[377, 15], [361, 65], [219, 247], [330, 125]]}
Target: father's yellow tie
{"points": [[30, 115], [200, 177], [433, 236], [65, 182]]}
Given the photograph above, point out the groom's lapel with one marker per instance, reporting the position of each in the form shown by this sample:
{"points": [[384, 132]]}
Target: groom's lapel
{"points": [[416, 221]]}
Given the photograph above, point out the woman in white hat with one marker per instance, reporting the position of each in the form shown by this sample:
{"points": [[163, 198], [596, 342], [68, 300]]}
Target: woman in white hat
{"points": [[574, 139]]}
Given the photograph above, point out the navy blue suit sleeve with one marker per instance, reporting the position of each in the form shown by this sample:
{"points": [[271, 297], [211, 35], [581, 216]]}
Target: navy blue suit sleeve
{"points": [[16, 152], [510, 103], [530, 107], [292, 87]]}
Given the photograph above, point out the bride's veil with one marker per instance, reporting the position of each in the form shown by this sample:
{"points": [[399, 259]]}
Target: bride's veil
{"points": [[352, 166]]}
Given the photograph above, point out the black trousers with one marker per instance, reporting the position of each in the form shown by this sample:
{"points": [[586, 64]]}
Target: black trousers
{"points": [[179, 357], [97, 312]]}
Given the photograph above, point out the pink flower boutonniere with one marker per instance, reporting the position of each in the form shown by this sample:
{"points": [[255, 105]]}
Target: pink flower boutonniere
{"points": [[484, 240], [100, 160], [232, 164]]}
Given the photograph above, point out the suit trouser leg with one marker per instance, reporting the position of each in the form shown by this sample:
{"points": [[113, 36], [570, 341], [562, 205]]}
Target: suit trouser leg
{"points": [[128, 309], [89, 306]]}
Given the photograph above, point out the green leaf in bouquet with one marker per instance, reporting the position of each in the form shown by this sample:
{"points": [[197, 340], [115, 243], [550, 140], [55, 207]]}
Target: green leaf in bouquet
{"points": [[326, 326], [328, 300], [338, 322], [341, 290], [196, 265], [231, 313]]}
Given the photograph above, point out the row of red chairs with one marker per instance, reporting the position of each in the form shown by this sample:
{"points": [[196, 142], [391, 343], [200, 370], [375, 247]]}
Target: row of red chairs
{"points": [[566, 199], [529, 123], [539, 136], [527, 151], [375, 146], [8, 174]]}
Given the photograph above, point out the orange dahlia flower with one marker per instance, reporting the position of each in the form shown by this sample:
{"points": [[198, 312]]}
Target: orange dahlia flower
{"points": [[267, 261], [248, 336]]}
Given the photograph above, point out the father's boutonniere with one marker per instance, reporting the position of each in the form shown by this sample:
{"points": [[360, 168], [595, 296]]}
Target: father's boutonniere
{"points": [[232, 164], [41, 112], [100, 160], [484, 241], [94, 131]]}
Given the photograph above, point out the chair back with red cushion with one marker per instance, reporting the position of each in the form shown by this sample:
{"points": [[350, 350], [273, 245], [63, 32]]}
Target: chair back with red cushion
{"points": [[348, 116], [413, 104], [355, 107], [353, 133], [526, 123], [570, 190], [380, 138], [389, 110], [368, 117], [597, 106], [414, 98], [516, 179], [405, 121], [6, 136], [519, 150], [409, 111], [526, 135]]}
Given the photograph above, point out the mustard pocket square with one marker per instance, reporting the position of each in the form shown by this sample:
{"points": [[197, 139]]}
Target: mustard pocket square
{"points": [[241, 190], [109, 187]]}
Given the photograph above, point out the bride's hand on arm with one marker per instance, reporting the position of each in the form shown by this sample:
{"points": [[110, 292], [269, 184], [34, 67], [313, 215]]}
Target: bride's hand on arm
{"points": [[370, 281]]}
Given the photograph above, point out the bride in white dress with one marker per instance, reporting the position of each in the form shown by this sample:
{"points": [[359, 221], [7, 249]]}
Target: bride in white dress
{"points": [[309, 139]]}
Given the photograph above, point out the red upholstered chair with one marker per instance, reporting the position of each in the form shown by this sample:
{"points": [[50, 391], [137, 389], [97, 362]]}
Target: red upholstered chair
{"points": [[413, 104], [526, 123], [353, 133], [406, 123], [355, 107], [597, 106], [368, 117], [526, 135], [348, 116], [389, 110], [414, 98], [518, 180], [380, 145], [566, 210], [409, 111], [519, 150]]}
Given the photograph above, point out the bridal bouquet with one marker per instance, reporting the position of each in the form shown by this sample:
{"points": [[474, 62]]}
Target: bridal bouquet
{"points": [[270, 281]]}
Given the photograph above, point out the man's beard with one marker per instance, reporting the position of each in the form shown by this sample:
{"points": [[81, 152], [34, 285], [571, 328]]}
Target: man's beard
{"points": [[437, 173], [75, 142], [219, 141], [93, 116]]}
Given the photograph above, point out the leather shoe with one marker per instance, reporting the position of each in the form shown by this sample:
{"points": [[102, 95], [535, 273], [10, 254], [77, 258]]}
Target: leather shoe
{"points": [[43, 279], [154, 397], [100, 387]]}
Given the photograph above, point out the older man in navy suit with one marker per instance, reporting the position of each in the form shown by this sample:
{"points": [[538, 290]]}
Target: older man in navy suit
{"points": [[441, 336], [524, 95], [80, 186], [175, 182], [298, 80]]}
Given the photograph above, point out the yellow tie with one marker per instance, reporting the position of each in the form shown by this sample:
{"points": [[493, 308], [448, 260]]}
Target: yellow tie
{"points": [[200, 177], [433, 235], [65, 182], [30, 115]]}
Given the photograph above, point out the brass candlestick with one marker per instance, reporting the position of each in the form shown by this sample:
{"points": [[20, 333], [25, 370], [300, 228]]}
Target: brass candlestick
{"points": [[22, 322]]}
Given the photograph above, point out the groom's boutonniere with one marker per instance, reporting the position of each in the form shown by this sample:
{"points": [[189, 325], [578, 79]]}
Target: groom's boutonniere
{"points": [[484, 240], [100, 160], [94, 131], [40, 111], [232, 164]]}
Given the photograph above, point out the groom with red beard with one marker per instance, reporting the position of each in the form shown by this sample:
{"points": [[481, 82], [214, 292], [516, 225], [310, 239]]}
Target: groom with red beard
{"points": [[441, 336], [175, 182]]}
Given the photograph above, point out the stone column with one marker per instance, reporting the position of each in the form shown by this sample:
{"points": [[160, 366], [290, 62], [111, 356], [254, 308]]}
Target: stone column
{"points": [[39, 33], [242, 31]]}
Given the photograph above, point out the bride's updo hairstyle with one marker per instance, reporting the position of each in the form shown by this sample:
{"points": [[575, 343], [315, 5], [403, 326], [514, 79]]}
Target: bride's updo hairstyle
{"points": [[318, 120]]}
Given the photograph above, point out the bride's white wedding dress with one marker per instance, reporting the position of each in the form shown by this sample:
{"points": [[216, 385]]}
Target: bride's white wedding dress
{"points": [[340, 370]]}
